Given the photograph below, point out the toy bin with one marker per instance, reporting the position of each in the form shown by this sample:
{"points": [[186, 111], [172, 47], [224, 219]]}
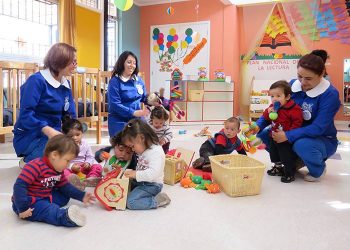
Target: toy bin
{"points": [[195, 95], [237, 175]]}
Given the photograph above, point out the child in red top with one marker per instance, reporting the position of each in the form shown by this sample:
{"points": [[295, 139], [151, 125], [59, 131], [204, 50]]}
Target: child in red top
{"points": [[224, 142], [289, 116]]}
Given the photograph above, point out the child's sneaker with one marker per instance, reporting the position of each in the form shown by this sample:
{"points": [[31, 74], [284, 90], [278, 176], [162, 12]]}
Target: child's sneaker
{"points": [[75, 181], [76, 216], [162, 200], [197, 164], [276, 170], [287, 179], [92, 181]]}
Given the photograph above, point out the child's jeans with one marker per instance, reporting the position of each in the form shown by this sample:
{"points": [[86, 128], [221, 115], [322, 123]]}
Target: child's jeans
{"points": [[94, 171], [142, 195], [50, 212]]}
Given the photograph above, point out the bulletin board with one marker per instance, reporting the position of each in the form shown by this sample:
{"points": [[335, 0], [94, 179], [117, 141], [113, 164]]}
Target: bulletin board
{"points": [[185, 46]]}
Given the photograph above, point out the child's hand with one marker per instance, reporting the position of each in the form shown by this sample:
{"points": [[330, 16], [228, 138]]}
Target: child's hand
{"points": [[162, 141], [26, 214], [89, 199], [75, 168], [129, 173], [86, 166]]}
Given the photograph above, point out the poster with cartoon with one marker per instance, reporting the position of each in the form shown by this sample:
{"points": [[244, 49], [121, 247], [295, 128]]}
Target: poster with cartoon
{"points": [[184, 46]]}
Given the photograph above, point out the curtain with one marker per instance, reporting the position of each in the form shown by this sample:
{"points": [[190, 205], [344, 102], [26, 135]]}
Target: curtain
{"points": [[67, 30]]}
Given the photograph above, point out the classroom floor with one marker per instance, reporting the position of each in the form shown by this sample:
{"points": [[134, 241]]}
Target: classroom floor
{"points": [[299, 215]]}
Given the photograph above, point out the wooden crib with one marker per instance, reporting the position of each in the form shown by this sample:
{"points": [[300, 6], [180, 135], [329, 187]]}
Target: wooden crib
{"points": [[12, 76]]}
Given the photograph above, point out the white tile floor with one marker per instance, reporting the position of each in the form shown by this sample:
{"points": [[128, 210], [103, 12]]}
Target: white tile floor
{"points": [[299, 215]]}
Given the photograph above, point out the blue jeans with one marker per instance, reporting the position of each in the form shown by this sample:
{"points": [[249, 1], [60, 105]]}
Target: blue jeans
{"points": [[51, 213], [35, 149], [142, 195]]}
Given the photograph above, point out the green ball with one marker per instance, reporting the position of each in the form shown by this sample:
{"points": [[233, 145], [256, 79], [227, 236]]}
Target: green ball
{"points": [[273, 116]]}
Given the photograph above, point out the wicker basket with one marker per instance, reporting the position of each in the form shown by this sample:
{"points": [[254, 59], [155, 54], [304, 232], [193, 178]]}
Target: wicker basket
{"points": [[237, 175]]}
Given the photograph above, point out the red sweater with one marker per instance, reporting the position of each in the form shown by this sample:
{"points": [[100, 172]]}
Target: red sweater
{"points": [[290, 116]]}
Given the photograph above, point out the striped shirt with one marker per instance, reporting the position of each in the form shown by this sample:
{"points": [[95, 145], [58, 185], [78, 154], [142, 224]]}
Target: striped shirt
{"points": [[36, 180], [163, 132]]}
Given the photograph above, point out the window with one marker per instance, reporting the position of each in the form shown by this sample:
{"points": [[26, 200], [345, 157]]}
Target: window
{"points": [[112, 34], [94, 4], [30, 30]]}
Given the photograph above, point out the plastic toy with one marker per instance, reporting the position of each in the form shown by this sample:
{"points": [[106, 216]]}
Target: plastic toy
{"points": [[250, 129], [176, 74], [202, 73], [154, 99], [219, 75], [105, 155], [112, 191], [197, 179], [176, 110], [194, 51], [273, 115], [186, 182], [212, 188], [203, 184], [182, 132], [81, 175], [248, 138], [204, 132]]}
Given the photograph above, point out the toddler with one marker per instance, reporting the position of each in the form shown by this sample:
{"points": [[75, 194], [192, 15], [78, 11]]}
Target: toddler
{"points": [[158, 122], [120, 155], [41, 189], [224, 142], [289, 116], [85, 162], [147, 179]]}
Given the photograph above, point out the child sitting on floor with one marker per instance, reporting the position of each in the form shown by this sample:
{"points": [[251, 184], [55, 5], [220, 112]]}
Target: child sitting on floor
{"points": [[289, 116], [119, 154], [85, 162], [41, 189], [224, 142], [147, 179], [158, 122]]}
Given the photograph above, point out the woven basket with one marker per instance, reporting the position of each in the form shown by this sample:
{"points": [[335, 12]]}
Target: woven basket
{"points": [[237, 175]]}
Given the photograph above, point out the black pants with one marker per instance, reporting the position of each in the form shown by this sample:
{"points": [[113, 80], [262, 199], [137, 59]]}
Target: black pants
{"points": [[205, 151], [283, 152]]}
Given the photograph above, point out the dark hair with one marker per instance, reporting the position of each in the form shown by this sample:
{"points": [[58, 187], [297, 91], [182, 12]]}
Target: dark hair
{"points": [[116, 139], [313, 63], [160, 113], [69, 124], [323, 54], [234, 120], [119, 65], [63, 144], [282, 85], [59, 56], [138, 127]]}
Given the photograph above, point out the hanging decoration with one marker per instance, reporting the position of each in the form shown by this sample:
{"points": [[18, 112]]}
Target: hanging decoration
{"points": [[170, 10], [123, 5]]}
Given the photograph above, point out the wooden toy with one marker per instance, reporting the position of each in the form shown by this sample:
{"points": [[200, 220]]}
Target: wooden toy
{"points": [[112, 191], [176, 74], [176, 166]]}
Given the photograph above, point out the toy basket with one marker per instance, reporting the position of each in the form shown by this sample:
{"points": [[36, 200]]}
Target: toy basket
{"points": [[195, 95], [237, 175]]}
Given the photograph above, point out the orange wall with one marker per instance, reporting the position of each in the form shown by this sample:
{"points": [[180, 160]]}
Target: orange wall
{"points": [[253, 16], [223, 33]]}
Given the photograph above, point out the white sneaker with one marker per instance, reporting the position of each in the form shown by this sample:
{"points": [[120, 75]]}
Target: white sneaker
{"points": [[162, 199], [76, 216], [21, 163], [310, 178]]}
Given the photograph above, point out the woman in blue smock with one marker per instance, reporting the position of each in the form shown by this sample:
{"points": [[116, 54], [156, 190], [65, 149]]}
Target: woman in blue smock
{"points": [[46, 97], [126, 91], [316, 140]]}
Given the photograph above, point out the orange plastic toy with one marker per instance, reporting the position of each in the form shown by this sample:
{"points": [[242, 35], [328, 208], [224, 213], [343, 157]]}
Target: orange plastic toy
{"points": [[105, 155], [212, 188]]}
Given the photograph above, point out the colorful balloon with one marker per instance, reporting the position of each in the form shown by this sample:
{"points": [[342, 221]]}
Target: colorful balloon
{"points": [[189, 32], [155, 31], [123, 5], [155, 37], [160, 41], [168, 44], [188, 39], [176, 37], [161, 47], [170, 38], [170, 11], [175, 45], [172, 31], [171, 50], [161, 35], [184, 44], [155, 48]]}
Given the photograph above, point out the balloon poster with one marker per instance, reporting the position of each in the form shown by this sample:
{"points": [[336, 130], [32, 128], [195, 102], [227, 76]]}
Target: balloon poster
{"points": [[184, 46]]}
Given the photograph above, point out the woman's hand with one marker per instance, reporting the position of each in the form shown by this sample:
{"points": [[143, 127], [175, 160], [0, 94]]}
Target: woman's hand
{"points": [[26, 213], [89, 199], [142, 112], [129, 173], [50, 132], [279, 136]]}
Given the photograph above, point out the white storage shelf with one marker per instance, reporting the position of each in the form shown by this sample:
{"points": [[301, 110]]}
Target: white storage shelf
{"points": [[204, 100]]}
